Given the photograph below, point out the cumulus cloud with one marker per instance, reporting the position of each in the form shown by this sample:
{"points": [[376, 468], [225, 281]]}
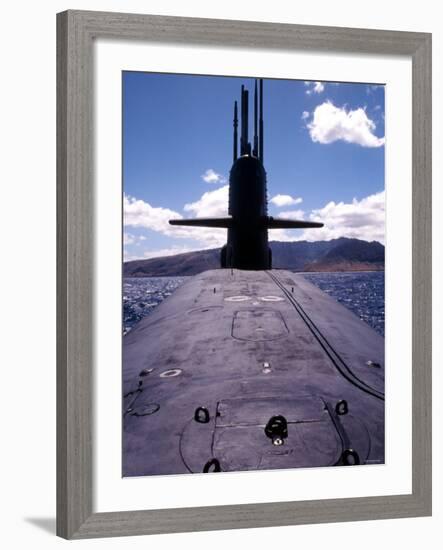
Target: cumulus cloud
{"points": [[138, 213], [314, 87], [364, 219], [305, 115], [211, 204], [211, 176], [330, 123], [285, 200], [292, 214]]}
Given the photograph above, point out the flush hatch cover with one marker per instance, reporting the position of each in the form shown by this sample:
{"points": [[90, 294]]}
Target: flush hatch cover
{"points": [[240, 441], [258, 325]]}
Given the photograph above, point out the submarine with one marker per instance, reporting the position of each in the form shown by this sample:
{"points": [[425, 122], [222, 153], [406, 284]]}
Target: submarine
{"points": [[246, 367]]}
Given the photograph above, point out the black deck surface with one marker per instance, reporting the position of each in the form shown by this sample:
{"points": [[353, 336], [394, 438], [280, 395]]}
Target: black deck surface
{"points": [[246, 346]]}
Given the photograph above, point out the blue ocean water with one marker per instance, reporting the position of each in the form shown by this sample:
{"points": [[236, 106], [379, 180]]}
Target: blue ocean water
{"points": [[142, 294], [363, 293]]}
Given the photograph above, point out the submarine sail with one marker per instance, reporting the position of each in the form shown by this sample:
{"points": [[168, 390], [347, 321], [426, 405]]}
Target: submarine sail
{"points": [[247, 244]]}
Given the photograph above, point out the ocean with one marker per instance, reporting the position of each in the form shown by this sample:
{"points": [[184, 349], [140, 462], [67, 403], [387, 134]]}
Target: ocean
{"points": [[361, 292], [141, 295]]}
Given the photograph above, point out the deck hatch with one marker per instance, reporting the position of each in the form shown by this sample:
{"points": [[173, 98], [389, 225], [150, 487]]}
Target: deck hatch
{"points": [[258, 325], [240, 441]]}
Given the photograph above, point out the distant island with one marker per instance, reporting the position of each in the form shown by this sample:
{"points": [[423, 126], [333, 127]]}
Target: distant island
{"points": [[341, 254]]}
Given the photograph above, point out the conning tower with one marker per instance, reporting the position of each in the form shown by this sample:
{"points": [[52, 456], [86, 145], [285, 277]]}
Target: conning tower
{"points": [[248, 221]]}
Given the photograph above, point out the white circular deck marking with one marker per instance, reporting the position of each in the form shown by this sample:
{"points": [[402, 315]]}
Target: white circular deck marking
{"points": [[170, 373], [237, 299], [271, 298]]}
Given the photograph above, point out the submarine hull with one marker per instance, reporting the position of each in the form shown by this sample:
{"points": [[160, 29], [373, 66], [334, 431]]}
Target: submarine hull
{"points": [[206, 375]]}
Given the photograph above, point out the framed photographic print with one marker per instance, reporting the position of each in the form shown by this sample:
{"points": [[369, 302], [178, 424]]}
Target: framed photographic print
{"points": [[239, 205]]}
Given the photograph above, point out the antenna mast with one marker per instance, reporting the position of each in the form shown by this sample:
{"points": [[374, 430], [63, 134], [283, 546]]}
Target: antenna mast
{"points": [[261, 122], [235, 132], [255, 150], [244, 145]]}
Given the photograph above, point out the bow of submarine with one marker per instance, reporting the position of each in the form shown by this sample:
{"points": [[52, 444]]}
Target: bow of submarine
{"points": [[245, 367], [207, 371]]}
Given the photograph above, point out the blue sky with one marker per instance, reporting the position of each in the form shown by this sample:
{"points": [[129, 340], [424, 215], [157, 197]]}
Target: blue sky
{"points": [[324, 158]]}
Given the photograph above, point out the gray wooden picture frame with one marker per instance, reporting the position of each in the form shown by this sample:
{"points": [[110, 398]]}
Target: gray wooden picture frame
{"points": [[76, 32]]}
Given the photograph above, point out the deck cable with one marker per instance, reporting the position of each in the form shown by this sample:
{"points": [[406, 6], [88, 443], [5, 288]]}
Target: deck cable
{"points": [[336, 359]]}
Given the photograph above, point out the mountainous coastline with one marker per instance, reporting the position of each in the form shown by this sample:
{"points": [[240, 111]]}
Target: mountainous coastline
{"points": [[341, 254]]}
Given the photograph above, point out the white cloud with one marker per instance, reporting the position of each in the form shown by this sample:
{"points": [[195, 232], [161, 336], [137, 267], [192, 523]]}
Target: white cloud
{"points": [[331, 123], [138, 213], [292, 214], [282, 235], [211, 204], [211, 176], [128, 239], [364, 219], [305, 115], [314, 87], [285, 200]]}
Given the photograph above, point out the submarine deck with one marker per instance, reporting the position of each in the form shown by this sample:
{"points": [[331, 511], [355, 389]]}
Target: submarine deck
{"points": [[245, 346]]}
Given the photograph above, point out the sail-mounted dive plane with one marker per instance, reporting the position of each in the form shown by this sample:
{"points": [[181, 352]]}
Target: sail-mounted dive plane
{"points": [[249, 368], [248, 221]]}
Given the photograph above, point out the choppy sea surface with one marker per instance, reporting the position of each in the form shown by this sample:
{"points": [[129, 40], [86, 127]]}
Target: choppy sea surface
{"points": [[141, 295], [363, 293]]}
